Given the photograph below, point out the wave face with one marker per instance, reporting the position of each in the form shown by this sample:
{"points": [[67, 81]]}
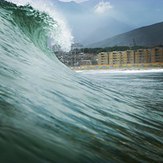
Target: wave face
{"points": [[50, 114]]}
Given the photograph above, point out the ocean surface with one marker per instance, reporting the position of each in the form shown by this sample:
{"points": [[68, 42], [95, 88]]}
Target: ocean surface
{"points": [[50, 114]]}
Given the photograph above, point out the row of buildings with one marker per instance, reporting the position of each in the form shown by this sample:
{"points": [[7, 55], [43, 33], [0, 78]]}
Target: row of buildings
{"points": [[78, 59], [131, 57]]}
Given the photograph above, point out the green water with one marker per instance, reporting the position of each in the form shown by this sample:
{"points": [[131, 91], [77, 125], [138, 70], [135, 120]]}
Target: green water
{"points": [[50, 114]]}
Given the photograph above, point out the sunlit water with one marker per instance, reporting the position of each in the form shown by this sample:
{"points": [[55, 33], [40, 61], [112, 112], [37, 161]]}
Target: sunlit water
{"points": [[50, 114]]}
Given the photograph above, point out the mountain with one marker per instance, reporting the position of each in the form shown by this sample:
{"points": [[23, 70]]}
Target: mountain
{"points": [[87, 25], [145, 36]]}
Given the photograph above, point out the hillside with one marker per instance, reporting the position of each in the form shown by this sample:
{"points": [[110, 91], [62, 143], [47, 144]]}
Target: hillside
{"points": [[145, 36]]}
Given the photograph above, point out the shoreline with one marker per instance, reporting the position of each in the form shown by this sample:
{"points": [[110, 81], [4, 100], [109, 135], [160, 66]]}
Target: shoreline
{"points": [[105, 71]]}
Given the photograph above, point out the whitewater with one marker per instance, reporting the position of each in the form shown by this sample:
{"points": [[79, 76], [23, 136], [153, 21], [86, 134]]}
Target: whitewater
{"points": [[49, 113]]}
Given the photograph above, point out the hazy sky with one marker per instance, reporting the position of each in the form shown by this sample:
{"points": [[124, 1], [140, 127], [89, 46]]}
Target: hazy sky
{"points": [[73, 0]]}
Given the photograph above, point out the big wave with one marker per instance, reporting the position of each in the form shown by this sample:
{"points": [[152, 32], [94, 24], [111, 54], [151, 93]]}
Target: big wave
{"points": [[49, 113]]}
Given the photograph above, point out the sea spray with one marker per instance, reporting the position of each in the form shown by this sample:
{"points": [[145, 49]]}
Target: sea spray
{"points": [[59, 35]]}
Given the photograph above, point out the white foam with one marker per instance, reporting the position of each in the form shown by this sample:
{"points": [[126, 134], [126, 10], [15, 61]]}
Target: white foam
{"points": [[62, 35], [118, 71]]}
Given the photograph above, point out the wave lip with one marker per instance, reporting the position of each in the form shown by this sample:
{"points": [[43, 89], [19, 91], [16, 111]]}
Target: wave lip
{"points": [[59, 34]]}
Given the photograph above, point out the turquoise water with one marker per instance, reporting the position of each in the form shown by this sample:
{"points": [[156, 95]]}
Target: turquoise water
{"points": [[50, 114]]}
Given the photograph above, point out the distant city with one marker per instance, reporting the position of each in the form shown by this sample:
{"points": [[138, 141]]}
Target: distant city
{"points": [[141, 47], [111, 57]]}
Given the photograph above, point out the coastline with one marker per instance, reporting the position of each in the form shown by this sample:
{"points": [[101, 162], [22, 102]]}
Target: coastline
{"points": [[106, 71]]}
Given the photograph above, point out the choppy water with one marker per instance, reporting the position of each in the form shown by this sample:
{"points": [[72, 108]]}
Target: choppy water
{"points": [[51, 114]]}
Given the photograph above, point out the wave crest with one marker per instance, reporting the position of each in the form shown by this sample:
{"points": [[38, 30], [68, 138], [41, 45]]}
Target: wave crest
{"points": [[42, 23]]}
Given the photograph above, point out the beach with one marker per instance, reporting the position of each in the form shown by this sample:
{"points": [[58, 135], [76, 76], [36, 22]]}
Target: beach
{"points": [[106, 71]]}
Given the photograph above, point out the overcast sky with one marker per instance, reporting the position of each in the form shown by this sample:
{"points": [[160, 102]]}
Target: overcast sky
{"points": [[73, 0]]}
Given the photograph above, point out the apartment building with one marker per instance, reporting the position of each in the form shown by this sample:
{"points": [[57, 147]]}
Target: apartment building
{"points": [[156, 55], [103, 58], [141, 56], [131, 57], [115, 58], [128, 57]]}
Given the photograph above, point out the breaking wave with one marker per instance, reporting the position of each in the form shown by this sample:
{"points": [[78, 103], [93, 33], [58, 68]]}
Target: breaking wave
{"points": [[50, 114]]}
